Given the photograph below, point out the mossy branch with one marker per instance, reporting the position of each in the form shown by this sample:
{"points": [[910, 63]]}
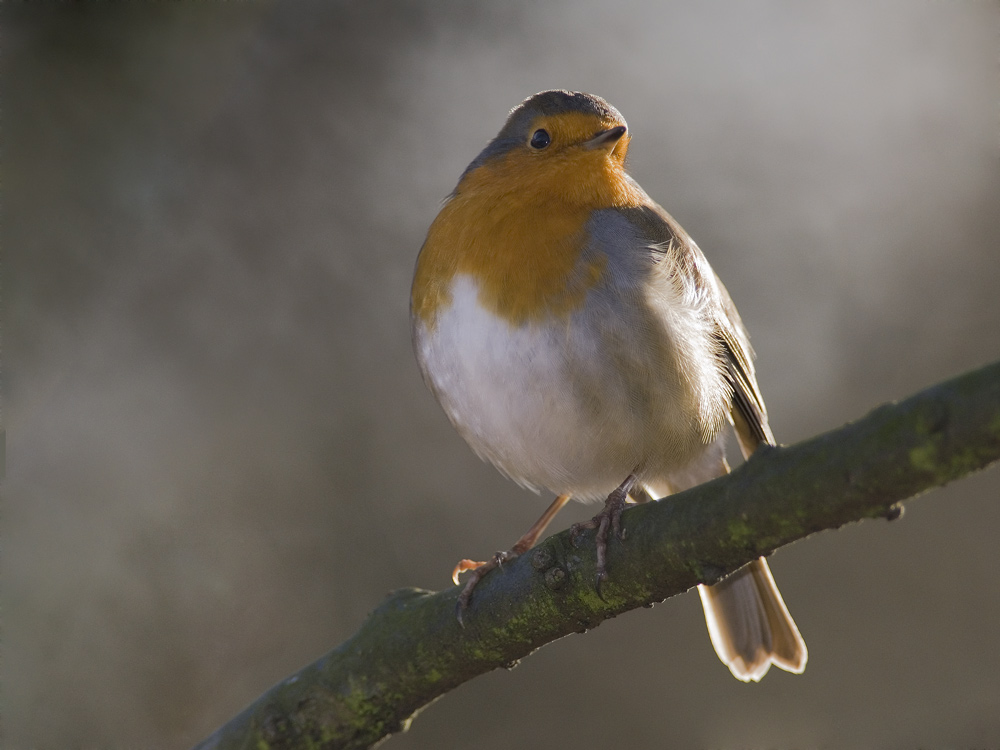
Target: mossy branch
{"points": [[411, 649]]}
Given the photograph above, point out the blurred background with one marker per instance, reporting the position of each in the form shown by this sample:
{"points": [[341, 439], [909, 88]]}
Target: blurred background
{"points": [[221, 453]]}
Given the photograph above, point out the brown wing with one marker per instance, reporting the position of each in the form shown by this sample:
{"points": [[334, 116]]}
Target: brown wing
{"points": [[748, 413]]}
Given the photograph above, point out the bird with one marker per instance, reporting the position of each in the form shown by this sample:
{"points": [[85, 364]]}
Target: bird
{"points": [[578, 339]]}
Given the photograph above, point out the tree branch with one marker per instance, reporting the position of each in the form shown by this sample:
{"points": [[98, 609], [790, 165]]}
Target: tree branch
{"points": [[411, 649]]}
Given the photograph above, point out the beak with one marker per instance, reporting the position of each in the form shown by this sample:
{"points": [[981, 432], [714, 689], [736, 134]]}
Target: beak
{"points": [[606, 138]]}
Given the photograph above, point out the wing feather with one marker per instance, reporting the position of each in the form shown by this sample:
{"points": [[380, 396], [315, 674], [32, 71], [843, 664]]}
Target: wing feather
{"points": [[749, 413]]}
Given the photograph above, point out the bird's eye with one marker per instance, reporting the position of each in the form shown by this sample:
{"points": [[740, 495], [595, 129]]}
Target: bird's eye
{"points": [[540, 139]]}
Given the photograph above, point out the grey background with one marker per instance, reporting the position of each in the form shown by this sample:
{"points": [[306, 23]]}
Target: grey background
{"points": [[221, 454]]}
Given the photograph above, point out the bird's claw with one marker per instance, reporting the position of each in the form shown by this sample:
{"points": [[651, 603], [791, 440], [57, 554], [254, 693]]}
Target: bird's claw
{"points": [[610, 517], [464, 565], [479, 570]]}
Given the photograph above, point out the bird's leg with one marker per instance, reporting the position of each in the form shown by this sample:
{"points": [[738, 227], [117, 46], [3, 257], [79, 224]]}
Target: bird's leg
{"points": [[611, 517], [522, 545]]}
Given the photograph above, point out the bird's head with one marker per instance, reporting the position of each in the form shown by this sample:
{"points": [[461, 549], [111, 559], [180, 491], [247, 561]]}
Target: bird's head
{"points": [[557, 144]]}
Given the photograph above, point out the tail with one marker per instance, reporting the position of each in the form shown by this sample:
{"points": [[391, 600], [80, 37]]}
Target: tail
{"points": [[750, 625]]}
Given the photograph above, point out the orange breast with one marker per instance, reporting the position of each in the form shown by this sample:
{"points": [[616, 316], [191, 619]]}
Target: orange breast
{"points": [[518, 228]]}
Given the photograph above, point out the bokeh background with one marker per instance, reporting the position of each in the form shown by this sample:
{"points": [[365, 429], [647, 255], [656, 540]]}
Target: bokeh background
{"points": [[221, 453]]}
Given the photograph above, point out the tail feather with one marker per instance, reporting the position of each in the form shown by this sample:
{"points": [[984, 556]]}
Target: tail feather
{"points": [[750, 625]]}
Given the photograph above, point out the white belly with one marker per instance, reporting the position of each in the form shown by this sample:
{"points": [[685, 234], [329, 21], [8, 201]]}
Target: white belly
{"points": [[573, 405]]}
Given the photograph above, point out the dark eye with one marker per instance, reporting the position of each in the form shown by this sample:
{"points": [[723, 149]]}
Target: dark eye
{"points": [[540, 139]]}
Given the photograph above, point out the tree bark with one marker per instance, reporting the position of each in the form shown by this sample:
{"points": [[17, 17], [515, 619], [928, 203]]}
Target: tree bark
{"points": [[411, 649]]}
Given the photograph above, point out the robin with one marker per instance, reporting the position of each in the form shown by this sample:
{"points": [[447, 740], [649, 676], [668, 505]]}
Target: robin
{"points": [[578, 339]]}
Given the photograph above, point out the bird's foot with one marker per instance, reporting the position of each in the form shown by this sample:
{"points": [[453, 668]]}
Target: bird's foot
{"points": [[609, 518], [522, 545], [479, 569]]}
